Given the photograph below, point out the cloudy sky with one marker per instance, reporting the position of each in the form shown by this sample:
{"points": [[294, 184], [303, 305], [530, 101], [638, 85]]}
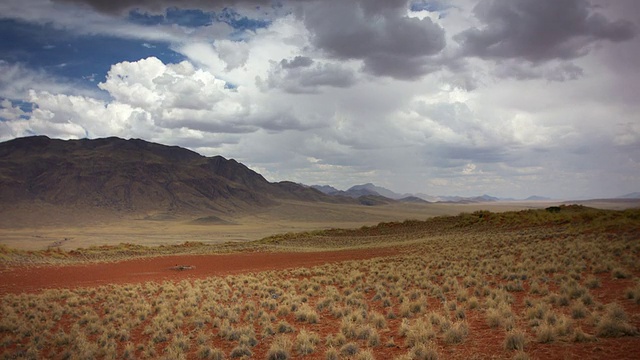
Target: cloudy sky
{"points": [[446, 97]]}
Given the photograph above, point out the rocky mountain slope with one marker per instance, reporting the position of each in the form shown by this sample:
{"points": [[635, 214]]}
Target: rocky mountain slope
{"points": [[133, 176]]}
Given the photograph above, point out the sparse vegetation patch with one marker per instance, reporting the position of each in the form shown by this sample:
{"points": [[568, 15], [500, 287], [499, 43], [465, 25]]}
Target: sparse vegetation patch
{"points": [[528, 280]]}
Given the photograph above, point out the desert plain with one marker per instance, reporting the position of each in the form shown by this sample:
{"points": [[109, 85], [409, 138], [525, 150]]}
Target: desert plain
{"points": [[508, 280]]}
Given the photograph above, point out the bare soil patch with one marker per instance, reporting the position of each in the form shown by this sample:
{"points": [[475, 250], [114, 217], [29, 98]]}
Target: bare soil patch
{"points": [[32, 279]]}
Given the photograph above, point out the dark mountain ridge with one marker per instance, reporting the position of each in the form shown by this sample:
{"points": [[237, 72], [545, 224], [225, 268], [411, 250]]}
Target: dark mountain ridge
{"points": [[133, 176]]}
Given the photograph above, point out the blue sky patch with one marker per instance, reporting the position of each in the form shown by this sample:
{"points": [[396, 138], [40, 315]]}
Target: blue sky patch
{"points": [[143, 18], [192, 18], [188, 17], [25, 106], [430, 6], [240, 22], [62, 53]]}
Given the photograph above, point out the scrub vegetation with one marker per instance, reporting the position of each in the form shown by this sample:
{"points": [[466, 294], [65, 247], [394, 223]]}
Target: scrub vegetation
{"points": [[506, 285]]}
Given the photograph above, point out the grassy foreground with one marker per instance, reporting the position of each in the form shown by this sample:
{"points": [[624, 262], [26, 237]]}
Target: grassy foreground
{"points": [[502, 285]]}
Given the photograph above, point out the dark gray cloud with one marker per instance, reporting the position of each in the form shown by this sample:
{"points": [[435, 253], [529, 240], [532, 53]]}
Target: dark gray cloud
{"points": [[159, 6], [279, 121], [476, 154], [377, 32], [561, 72], [302, 75], [298, 61], [539, 30], [119, 6], [399, 66]]}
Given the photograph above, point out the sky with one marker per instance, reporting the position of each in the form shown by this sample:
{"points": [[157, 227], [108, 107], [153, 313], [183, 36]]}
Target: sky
{"points": [[510, 98]]}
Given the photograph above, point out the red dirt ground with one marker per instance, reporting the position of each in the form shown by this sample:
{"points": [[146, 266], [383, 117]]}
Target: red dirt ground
{"points": [[33, 279], [482, 343]]}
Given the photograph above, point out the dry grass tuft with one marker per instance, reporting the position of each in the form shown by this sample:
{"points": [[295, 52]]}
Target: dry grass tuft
{"points": [[349, 349], [456, 333], [515, 340], [306, 342], [614, 323], [280, 348]]}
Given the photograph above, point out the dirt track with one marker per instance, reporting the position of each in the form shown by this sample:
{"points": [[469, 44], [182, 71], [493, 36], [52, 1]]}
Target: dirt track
{"points": [[33, 279]]}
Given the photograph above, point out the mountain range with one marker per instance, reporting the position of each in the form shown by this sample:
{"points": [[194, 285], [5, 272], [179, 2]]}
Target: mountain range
{"points": [[370, 189], [39, 175], [134, 176]]}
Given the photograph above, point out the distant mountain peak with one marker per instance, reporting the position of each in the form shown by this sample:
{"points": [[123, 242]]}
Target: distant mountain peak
{"points": [[371, 189], [326, 189]]}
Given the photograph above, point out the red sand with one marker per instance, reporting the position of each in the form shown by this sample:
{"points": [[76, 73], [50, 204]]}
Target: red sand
{"points": [[482, 342], [33, 279]]}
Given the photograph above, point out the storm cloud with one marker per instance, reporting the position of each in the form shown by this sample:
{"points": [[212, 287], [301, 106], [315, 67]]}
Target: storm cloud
{"points": [[159, 6], [539, 30], [389, 42], [460, 97], [302, 75]]}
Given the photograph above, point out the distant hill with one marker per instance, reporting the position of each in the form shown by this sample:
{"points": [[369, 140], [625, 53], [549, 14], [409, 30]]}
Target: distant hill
{"points": [[633, 195], [537, 198], [485, 198], [427, 197], [413, 199], [133, 176], [371, 189], [357, 191], [373, 200]]}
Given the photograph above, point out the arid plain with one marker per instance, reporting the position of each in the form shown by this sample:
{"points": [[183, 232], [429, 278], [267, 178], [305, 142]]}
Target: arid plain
{"points": [[327, 281], [32, 230]]}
